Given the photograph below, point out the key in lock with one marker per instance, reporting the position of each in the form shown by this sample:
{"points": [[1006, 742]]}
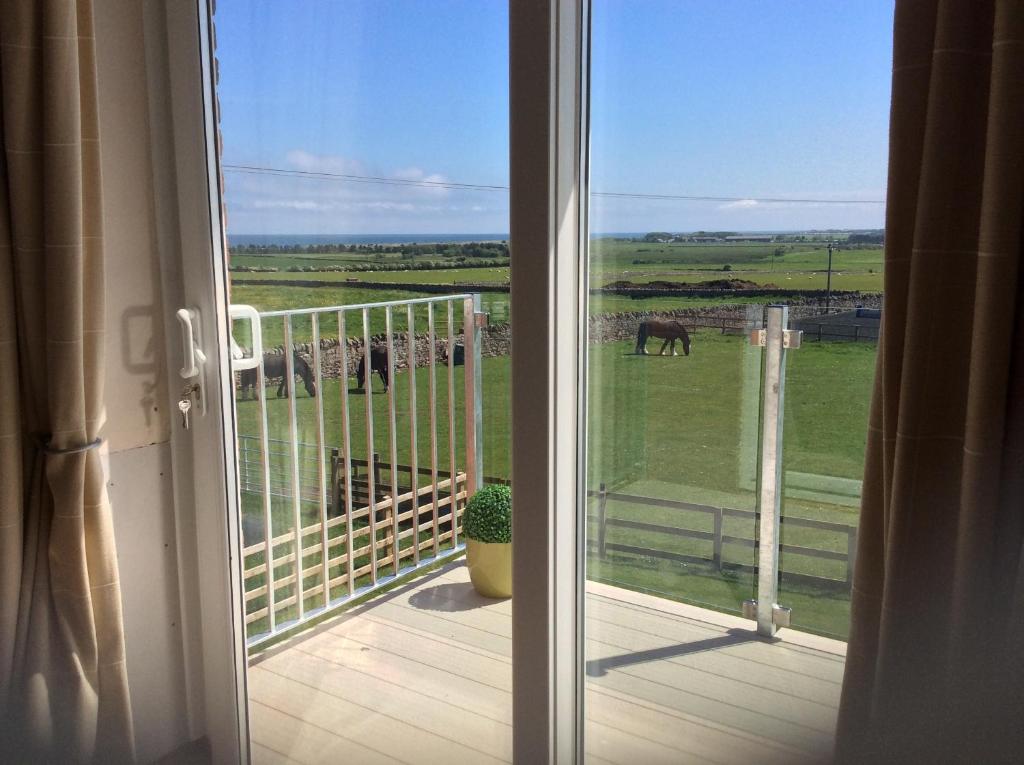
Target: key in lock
{"points": [[185, 402]]}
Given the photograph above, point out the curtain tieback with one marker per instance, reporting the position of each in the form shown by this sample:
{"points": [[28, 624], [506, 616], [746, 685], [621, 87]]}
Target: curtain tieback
{"points": [[43, 443]]}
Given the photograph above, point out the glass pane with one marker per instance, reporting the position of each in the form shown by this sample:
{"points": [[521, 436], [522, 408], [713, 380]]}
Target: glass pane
{"points": [[737, 161], [828, 394], [365, 162]]}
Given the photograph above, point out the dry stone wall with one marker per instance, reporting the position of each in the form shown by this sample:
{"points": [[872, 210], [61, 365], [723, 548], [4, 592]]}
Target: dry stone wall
{"points": [[496, 339]]}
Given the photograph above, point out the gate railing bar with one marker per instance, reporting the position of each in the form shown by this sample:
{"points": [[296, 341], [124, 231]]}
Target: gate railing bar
{"points": [[293, 432], [473, 393], [432, 393], [392, 436], [267, 514], [368, 396], [362, 306], [346, 449], [318, 381], [451, 412], [413, 467]]}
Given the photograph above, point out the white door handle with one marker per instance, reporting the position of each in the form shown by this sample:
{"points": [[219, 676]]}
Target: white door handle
{"points": [[192, 355], [239, 360]]}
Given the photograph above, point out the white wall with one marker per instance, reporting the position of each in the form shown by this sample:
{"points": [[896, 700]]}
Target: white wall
{"points": [[138, 423]]}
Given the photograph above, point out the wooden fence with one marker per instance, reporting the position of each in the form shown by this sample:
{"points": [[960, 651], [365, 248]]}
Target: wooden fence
{"points": [[360, 541], [717, 538]]}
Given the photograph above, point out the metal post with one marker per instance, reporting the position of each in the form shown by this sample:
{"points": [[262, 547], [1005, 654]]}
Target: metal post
{"points": [[293, 438], [473, 396], [716, 555], [321, 474], [851, 554], [771, 470], [414, 482]]}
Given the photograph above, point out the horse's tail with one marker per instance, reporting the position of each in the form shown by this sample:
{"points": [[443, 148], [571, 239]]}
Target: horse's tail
{"points": [[641, 335]]}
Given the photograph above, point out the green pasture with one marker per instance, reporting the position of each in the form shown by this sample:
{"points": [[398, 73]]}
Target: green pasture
{"points": [[490, 275], [676, 428], [801, 266]]}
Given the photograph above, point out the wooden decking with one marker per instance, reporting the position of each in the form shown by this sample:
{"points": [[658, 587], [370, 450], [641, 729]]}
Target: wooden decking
{"points": [[423, 674]]}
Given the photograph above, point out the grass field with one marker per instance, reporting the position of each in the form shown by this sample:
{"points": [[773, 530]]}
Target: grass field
{"points": [[665, 427], [801, 266]]}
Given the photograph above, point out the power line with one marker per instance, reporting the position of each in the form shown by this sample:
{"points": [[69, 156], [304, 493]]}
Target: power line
{"points": [[453, 185]]}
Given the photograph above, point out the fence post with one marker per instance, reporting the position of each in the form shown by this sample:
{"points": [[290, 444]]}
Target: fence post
{"points": [[390, 548], [819, 331], [376, 475], [335, 483], [851, 554], [856, 332], [602, 514], [717, 554]]}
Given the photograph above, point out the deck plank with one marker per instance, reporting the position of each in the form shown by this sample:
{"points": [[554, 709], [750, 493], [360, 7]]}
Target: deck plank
{"points": [[393, 699], [279, 732], [424, 674], [360, 723]]}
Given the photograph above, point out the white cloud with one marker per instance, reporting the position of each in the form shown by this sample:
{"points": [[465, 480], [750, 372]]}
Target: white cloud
{"points": [[308, 162], [740, 204], [278, 203]]}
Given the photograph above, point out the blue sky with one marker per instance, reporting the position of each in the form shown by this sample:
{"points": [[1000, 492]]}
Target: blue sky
{"points": [[735, 99]]}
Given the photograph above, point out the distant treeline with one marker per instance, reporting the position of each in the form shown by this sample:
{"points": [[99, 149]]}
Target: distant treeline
{"points": [[418, 265], [407, 251], [729, 237]]}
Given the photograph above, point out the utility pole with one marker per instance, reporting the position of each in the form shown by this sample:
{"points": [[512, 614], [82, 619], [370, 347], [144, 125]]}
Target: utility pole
{"points": [[828, 294]]}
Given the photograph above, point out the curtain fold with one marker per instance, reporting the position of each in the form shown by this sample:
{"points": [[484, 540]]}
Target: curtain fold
{"points": [[934, 669], [63, 683]]}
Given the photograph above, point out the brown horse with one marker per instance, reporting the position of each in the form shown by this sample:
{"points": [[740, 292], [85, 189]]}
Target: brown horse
{"points": [[274, 365], [668, 329]]}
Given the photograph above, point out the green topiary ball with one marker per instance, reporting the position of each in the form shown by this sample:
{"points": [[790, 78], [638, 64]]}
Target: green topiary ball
{"points": [[488, 515]]}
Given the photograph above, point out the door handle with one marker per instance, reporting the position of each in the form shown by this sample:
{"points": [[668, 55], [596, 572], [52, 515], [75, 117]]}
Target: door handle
{"points": [[192, 355], [239, 360]]}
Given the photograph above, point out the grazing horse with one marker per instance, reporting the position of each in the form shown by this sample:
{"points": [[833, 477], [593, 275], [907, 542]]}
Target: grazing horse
{"points": [[662, 328], [378, 364], [275, 365]]}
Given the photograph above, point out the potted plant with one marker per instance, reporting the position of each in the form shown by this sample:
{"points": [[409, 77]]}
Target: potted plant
{"points": [[487, 526]]}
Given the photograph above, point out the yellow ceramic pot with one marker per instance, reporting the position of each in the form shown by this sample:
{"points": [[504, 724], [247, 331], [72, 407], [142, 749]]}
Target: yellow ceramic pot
{"points": [[490, 567]]}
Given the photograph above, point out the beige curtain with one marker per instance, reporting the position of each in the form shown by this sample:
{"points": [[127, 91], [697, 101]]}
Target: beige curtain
{"points": [[935, 670], [63, 686]]}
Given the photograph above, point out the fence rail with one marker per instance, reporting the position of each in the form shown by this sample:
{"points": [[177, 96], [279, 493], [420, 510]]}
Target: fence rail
{"points": [[718, 539]]}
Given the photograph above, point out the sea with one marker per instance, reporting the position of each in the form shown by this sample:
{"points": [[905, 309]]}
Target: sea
{"points": [[288, 239]]}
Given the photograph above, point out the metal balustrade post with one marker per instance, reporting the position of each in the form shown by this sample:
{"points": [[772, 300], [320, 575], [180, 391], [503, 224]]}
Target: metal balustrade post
{"points": [[775, 339], [473, 320]]}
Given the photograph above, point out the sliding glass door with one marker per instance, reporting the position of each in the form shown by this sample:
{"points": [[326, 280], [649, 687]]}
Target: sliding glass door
{"points": [[736, 177], [654, 201]]}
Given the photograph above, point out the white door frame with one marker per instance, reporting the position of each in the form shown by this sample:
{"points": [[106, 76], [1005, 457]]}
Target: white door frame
{"points": [[548, 87], [548, 153], [179, 62]]}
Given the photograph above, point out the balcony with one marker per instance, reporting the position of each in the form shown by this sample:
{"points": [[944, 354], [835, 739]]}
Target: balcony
{"points": [[423, 674], [367, 641]]}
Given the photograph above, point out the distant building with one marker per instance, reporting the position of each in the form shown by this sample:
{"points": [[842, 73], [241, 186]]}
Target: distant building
{"points": [[750, 238]]}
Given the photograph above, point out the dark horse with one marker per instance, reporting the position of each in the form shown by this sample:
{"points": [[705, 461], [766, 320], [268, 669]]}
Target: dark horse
{"points": [[662, 328], [275, 365], [378, 364]]}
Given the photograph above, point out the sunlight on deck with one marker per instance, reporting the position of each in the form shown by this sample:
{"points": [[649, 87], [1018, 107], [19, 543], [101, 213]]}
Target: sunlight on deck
{"points": [[423, 674]]}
